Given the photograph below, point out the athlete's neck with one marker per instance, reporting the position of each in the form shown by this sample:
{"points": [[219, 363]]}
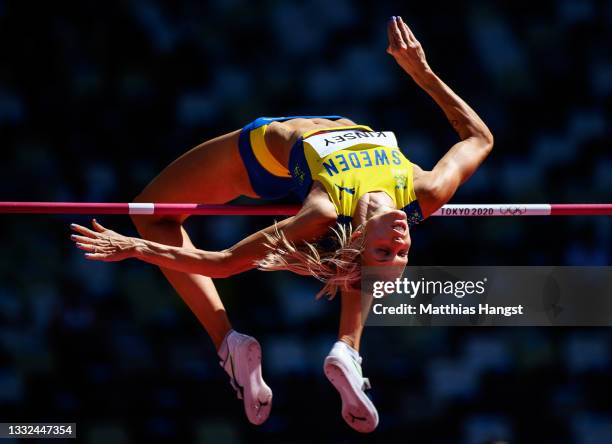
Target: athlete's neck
{"points": [[370, 205]]}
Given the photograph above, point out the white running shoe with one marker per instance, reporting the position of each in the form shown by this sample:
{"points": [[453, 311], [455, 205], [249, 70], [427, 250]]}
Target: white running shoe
{"points": [[241, 359], [343, 369]]}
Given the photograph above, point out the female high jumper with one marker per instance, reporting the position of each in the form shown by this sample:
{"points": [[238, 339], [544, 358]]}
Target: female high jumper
{"points": [[354, 182]]}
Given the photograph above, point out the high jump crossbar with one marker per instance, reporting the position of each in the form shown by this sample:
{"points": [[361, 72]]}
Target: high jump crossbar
{"points": [[453, 210]]}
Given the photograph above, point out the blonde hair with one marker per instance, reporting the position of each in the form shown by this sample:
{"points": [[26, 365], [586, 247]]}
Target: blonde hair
{"points": [[338, 268]]}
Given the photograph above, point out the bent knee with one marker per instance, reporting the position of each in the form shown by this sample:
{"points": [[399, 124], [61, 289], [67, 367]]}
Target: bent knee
{"points": [[163, 229], [151, 226]]}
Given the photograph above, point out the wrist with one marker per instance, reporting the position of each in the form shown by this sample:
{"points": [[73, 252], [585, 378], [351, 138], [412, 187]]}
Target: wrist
{"points": [[425, 77], [415, 69], [137, 247]]}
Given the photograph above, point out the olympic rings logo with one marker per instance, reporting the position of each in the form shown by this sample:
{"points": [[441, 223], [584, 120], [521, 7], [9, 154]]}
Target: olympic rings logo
{"points": [[512, 211]]}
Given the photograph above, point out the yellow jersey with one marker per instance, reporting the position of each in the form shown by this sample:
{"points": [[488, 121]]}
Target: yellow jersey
{"points": [[350, 162]]}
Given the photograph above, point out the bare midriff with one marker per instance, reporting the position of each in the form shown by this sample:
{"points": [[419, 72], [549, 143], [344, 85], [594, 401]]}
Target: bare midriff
{"points": [[281, 136]]}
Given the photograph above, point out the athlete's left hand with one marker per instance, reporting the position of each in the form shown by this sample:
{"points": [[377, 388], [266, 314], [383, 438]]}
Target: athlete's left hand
{"points": [[102, 244], [406, 49]]}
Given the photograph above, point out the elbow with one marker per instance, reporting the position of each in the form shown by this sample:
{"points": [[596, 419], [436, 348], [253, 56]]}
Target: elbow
{"points": [[483, 141], [436, 193], [480, 134], [488, 140], [486, 137], [224, 266], [231, 264]]}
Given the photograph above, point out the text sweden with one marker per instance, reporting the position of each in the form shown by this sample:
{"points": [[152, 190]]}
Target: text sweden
{"points": [[361, 159]]}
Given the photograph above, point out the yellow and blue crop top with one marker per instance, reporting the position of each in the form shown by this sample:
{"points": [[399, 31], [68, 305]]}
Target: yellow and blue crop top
{"points": [[350, 162]]}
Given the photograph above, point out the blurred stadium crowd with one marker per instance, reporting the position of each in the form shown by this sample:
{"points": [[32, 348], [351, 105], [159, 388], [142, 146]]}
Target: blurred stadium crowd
{"points": [[97, 97]]}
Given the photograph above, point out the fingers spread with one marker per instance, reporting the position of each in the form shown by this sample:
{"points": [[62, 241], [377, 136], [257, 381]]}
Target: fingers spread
{"points": [[98, 247], [99, 228], [84, 231], [88, 240], [85, 247]]}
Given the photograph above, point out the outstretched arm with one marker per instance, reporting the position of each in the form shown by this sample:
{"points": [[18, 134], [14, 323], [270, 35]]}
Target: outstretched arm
{"points": [[106, 245], [435, 188], [102, 244]]}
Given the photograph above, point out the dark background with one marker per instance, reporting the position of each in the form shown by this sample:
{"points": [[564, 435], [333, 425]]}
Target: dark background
{"points": [[97, 97]]}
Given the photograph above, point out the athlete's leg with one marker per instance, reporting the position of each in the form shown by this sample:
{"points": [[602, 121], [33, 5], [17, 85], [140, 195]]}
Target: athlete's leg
{"points": [[351, 319], [195, 177], [343, 366]]}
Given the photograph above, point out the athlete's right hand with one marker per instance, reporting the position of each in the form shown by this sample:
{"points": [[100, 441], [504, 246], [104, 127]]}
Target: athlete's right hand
{"points": [[102, 244], [406, 49]]}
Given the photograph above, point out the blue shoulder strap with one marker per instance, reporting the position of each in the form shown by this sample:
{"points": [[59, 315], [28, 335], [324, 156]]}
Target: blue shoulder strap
{"points": [[413, 213]]}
